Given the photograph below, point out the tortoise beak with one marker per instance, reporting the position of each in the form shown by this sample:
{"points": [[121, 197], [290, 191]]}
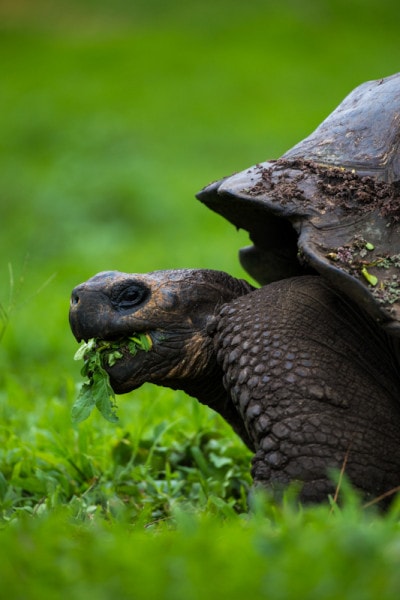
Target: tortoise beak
{"points": [[75, 314], [91, 313], [82, 315]]}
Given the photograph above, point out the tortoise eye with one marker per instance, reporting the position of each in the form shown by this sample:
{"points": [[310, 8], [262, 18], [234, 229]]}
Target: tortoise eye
{"points": [[130, 297]]}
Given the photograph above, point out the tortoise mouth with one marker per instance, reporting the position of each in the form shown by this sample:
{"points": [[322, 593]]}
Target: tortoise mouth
{"points": [[121, 358], [126, 374]]}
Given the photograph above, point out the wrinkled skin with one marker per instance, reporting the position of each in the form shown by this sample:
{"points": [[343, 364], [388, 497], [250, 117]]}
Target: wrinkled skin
{"points": [[307, 381]]}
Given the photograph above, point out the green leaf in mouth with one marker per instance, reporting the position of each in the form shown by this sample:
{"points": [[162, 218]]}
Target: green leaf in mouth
{"points": [[96, 391]]}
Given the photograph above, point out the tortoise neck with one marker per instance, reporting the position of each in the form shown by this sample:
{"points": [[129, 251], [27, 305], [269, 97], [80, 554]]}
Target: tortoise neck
{"points": [[209, 390]]}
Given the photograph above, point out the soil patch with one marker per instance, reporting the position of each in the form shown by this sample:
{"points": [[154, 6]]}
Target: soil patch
{"points": [[335, 187]]}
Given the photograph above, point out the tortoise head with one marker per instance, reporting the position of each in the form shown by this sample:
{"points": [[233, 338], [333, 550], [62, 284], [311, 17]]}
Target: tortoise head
{"points": [[175, 308]]}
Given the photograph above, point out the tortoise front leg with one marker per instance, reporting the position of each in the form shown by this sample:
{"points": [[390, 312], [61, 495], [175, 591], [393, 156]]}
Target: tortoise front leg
{"points": [[315, 384]]}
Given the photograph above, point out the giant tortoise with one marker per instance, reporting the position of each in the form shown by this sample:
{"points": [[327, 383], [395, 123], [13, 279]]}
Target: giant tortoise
{"points": [[306, 367]]}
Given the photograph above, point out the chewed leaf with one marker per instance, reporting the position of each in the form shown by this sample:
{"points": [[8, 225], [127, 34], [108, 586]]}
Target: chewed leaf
{"points": [[84, 404], [84, 349], [113, 357], [142, 341], [97, 391], [104, 397]]}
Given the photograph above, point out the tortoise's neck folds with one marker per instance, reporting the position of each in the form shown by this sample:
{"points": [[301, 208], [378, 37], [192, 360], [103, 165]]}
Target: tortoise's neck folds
{"points": [[210, 391]]}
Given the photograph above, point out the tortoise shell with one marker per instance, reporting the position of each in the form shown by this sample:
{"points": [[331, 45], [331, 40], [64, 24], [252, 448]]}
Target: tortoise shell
{"points": [[330, 205]]}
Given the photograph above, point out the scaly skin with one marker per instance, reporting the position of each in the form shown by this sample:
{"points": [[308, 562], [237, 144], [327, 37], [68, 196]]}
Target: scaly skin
{"points": [[315, 384], [304, 378]]}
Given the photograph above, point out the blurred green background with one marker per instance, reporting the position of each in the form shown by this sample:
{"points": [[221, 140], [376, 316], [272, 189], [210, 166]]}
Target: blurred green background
{"points": [[114, 114]]}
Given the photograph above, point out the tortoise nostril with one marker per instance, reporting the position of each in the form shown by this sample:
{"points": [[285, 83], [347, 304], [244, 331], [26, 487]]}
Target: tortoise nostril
{"points": [[74, 298]]}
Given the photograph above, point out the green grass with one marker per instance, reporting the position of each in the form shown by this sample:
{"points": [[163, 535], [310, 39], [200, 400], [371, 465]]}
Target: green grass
{"points": [[112, 116], [280, 553]]}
